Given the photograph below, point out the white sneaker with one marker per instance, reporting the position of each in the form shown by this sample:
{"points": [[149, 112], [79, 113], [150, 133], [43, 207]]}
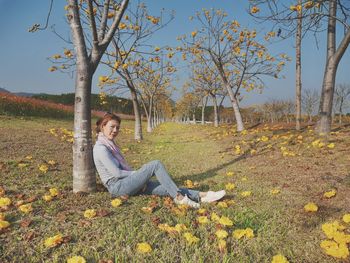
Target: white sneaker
{"points": [[213, 196], [186, 201]]}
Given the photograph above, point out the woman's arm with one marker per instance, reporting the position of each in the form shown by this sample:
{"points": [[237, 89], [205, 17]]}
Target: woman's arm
{"points": [[103, 157]]}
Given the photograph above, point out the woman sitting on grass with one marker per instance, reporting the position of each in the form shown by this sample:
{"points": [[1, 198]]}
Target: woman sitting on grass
{"points": [[117, 176]]}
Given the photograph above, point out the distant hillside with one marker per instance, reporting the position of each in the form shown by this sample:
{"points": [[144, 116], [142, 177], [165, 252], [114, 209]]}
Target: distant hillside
{"points": [[4, 90], [21, 94], [114, 104]]}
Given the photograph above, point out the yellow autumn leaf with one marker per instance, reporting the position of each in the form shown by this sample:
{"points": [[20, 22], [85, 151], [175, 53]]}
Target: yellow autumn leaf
{"points": [[53, 241], [144, 248], [116, 202], [90, 213], [330, 194], [26, 208], [311, 207]]}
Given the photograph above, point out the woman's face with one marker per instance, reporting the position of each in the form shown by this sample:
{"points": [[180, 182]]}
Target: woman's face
{"points": [[111, 129]]}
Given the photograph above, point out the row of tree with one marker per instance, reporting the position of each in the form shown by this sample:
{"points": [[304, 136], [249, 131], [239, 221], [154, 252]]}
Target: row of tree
{"points": [[190, 109]]}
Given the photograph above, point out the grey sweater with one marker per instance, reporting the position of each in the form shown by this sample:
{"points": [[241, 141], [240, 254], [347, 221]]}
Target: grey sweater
{"points": [[106, 165]]}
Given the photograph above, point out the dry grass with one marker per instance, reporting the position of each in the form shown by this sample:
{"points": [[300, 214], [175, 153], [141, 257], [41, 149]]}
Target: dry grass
{"points": [[201, 154]]}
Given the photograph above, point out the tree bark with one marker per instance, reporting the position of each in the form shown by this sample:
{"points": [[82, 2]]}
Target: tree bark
{"points": [[298, 70], [84, 179], [216, 119], [204, 104], [333, 58], [137, 114], [234, 101], [150, 116]]}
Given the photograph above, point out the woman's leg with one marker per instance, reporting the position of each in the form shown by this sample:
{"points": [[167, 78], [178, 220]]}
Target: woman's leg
{"points": [[134, 183], [155, 188]]}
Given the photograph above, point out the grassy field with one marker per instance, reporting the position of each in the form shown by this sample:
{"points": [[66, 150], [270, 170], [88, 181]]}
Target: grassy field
{"points": [[267, 157]]}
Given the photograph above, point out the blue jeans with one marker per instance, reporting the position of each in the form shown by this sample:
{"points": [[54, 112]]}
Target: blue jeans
{"points": [[139, 183]]}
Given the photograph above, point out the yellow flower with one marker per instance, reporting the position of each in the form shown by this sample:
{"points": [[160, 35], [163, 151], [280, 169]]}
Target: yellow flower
{"points": [[29, 157], [225, 221], [89, 213], [249, 233], [310, 207], [180, 227], [221, 234], [330, 193], [51, 162], [346, 218], [309, 4], [188, 184], [56, 56], [264, 138], [222, 204], [53, 192], [4, 224], [122, 25], [275, 191], [279, 259], [144, 247], [334, 249], [254, 9], [43, 168], [341, 237], [191, 239], [110, 15], [76, 259], [52, 69], [331, 145], [215, 217], [21, 165], [253, 151], [229, 174], [54, 241], [47, 198], [246, 193], [201, 211], [156, 49], [239, 233], [229, 186], [194, 33], [5, 201], [330, 229], [103, 79], [203, 220], [26, 208], [116, 202]]}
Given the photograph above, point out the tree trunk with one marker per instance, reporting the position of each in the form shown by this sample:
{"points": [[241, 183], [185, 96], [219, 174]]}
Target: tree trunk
{"points": [[298, 70], [149, 116], [137, 114], [341, 110], [84, 178], [333, 58], [235, 107], [216, 120], [204, 104], [234, 101]]}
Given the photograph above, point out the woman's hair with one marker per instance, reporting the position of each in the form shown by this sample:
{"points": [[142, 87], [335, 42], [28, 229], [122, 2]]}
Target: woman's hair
{"points": [[106, 118]]}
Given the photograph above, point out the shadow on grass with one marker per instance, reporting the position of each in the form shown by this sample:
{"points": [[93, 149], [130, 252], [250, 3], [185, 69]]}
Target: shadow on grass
{"points": [[210, 173], [324, 214]]}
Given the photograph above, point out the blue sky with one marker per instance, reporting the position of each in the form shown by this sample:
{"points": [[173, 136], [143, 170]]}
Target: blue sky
{"points": [[23, 55]]}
